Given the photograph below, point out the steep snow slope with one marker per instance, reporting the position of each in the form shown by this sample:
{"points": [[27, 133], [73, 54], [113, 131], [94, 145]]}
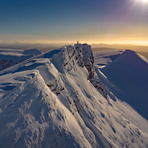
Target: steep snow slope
{"points": [[57, 100], [9, 57], [127, 78]]}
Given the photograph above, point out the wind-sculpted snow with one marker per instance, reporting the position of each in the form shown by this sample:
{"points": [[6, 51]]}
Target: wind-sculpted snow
{"points": [[55, 104], [10, 57]]}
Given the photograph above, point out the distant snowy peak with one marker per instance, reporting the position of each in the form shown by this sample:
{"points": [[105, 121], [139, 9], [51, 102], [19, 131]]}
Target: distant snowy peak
{"points": [[129, 52], [129, 74], [132, 57], [32, 52], [10, 57]]}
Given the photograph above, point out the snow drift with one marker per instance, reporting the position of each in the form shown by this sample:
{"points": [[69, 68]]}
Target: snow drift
{"points": [[57, 100]]}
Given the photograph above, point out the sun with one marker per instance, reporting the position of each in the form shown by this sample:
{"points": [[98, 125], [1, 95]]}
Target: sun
{"points": [[145, 1]]}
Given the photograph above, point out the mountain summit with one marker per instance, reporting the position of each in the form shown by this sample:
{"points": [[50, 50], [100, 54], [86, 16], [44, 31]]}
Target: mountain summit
{"points": [[57, 100]]}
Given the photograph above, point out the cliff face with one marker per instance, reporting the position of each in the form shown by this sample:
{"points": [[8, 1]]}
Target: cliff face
{"points": [[87, 59]]}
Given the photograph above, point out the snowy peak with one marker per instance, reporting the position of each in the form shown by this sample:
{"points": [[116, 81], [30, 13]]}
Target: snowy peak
{"points": [[79, 53], [129, 72], [128, 55], [129, 52], [132, 58], [69, 57]]}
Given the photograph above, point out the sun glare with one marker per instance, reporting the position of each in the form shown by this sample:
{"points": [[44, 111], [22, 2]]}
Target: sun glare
{"points": [[145, 1]]}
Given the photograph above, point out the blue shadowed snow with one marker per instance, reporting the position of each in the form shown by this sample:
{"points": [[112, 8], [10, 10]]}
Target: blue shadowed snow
{"points": [[112, 57], [5, 83], [32, 51], [128, 76], [51, 53], [30, 67], [7, 88], [101, 64]]}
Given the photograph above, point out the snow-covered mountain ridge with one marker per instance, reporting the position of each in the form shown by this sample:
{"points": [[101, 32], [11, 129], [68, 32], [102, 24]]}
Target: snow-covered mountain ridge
{"points": [[57, 100]]}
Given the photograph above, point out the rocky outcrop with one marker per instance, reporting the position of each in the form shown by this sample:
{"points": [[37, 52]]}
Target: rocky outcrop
{"points": [[87, 59]]}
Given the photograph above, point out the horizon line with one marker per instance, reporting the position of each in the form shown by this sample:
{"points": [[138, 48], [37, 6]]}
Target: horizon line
{"points": [[136, 43]]}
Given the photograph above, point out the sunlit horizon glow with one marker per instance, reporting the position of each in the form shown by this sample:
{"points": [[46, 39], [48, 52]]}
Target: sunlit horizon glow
{"points": [[125, 42]]}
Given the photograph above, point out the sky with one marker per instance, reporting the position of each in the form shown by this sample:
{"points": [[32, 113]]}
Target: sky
{"points": [[66, 21]]}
